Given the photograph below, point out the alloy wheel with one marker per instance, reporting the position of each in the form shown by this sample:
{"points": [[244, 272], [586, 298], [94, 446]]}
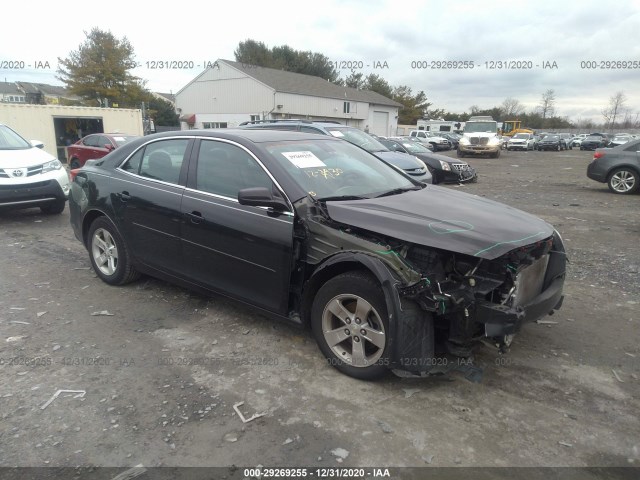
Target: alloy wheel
{"points": [[352, 328], [622, 181], [104, 251]]}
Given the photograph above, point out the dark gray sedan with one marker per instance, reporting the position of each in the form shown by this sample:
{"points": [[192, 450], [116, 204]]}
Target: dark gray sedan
{"points": [[618, 167]]}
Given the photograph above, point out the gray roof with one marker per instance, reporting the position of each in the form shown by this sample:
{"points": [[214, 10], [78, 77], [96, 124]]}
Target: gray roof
{"points": [[290, 82], [10, 88], [46, 89], [169, 96]]}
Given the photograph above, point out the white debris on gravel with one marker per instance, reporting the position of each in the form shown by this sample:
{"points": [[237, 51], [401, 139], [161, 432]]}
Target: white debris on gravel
{"points": [[408, 392], [340, 452]]}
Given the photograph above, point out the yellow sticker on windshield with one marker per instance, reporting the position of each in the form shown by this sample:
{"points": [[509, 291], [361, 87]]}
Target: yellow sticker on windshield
{"points": [[324, 172]]}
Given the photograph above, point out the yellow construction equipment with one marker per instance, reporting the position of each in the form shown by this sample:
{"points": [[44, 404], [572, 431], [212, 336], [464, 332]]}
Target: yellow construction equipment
{"points": [[511, 127]]}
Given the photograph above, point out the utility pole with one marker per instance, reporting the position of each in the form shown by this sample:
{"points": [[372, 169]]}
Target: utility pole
{"points": [[145, 124]]}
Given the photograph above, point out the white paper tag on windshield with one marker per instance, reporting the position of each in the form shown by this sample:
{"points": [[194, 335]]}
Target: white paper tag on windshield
{"points": [[304, 159], [119, 139], [336, 133]]}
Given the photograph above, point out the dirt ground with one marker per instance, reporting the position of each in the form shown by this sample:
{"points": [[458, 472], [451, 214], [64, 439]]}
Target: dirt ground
{"points": [[162, 367]]}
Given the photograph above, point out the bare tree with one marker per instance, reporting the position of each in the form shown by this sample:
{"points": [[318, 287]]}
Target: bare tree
{"points": [[547, 105], [614, 108], [511, 107]]}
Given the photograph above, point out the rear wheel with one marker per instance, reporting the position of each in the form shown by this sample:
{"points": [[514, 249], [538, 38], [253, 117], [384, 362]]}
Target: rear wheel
{"points": [[109, 255], [75, 163], [624, 181], [349, 322]]}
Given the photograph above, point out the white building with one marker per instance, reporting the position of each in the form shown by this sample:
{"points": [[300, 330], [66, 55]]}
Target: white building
{"points": [[229, 93]]}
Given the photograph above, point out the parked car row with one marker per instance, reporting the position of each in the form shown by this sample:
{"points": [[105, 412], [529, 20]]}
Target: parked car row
{"points": [[438, 141], [564, 141], [442, 168], [408, 163]]}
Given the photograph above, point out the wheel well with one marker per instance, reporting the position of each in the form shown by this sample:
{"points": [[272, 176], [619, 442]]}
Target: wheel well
{"points": [[87, 221], [618, 167], [322, 276]]}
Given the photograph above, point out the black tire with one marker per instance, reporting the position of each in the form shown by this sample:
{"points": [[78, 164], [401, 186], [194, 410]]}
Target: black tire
{"points": [[496, 154], [460, 153], [623, 181], [122, 271], [74, 163], [54, 208], [347, 290]]}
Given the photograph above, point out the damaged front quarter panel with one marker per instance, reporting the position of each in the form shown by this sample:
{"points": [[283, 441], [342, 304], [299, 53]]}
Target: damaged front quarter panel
{"points": [[460, 297]]}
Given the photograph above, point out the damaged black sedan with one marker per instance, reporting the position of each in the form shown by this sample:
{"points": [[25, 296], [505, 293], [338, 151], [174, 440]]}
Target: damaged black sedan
{"points": [[389, 273]]}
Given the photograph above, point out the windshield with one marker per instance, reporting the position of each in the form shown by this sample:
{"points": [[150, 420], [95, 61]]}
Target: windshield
{"points": [[415, 147], [122, 139], [551, 137], [333, 169], [358, 137], [480, 127], [10, 140], [521, 135]]}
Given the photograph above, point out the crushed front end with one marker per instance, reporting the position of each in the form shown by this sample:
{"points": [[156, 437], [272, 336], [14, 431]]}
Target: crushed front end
{"points": [[471, 298]]}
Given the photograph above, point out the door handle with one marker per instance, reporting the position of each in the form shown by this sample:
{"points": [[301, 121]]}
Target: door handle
{"points": [[124, 196], [195, 217]]}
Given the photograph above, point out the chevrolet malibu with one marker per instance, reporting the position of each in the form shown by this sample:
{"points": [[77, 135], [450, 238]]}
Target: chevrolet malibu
{"points": [[387, 272]]}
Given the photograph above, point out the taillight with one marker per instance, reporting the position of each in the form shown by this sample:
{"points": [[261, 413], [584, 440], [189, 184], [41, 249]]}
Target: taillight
{"points": [[598, 155], [73, 173]]}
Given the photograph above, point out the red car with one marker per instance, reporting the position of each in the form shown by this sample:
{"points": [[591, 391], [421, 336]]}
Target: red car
{"points": [[95, 146]]}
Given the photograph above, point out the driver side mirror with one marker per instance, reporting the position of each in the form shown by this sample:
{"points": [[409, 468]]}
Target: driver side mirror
{"points": [[108, 146], [37, 143], [261, 197]]}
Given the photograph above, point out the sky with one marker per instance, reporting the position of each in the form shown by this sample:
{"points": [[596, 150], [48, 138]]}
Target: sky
{"points": [[519, 49]]}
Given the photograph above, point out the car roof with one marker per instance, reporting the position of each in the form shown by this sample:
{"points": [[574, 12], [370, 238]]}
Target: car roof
{"points": [[254, 135]]}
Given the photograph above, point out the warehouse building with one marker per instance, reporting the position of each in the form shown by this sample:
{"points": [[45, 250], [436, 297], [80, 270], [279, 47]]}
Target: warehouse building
{"points": [[229, 93]]}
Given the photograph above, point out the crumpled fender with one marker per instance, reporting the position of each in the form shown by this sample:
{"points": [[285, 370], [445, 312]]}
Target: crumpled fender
{"points": [[414, 347], [388, 283]]}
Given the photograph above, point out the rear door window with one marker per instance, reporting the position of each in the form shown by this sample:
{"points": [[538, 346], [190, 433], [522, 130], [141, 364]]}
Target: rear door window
{"points": [[163, 160]]}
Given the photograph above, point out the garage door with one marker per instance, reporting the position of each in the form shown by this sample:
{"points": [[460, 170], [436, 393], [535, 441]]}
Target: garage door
{"points": [[380, 123]]}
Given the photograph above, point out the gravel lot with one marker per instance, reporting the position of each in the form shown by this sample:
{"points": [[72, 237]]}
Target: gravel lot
{"points": [[162, 371]]}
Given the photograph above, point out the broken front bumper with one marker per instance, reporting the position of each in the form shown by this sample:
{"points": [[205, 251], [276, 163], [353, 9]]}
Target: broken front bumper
{"points": [[500, 320]]}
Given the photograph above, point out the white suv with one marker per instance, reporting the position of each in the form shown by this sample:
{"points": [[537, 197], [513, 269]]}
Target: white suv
{"points": [[521, 141], [29, 176]]}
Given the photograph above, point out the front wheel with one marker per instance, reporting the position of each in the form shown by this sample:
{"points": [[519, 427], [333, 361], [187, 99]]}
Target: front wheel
{"points": [[75, 163], [108, 253], [349, 322], [624, 181], [460, 153]]}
